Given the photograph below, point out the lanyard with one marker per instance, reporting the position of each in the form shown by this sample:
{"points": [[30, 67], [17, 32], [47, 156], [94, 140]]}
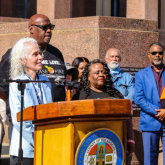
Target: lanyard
{"points": [[39, 85]]}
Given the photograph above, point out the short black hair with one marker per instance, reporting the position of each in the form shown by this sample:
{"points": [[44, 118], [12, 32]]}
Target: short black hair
{"points": [[155, 43], [78, 60]]}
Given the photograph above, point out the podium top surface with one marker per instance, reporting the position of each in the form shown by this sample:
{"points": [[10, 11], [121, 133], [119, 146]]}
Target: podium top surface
{"points": [[113, 107]]}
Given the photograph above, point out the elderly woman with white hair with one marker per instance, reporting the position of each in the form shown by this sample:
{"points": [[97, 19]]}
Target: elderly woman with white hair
{"points": [[26, 60]]}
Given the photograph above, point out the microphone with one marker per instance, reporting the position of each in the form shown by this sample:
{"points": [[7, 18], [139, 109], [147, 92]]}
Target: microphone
{"points": [[73, 84], [62, 81]]}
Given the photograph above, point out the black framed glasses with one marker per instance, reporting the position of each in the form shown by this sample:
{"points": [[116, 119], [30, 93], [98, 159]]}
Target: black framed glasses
{"points": [[154, 53], [45, 27]]}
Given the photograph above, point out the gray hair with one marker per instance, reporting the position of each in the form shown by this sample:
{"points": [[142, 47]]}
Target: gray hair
{"points": [[106, 56], [19, 52]]}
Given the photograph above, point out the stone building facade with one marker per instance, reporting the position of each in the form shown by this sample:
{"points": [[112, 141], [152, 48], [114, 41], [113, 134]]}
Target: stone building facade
{"points": [[89, 28]]}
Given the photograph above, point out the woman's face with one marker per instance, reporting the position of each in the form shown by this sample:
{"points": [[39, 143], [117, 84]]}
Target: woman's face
{"points": [[97, 76], [34, 58], [69, 75], [81, 68]]}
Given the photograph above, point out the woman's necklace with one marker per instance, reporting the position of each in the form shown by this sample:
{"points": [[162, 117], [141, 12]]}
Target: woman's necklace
{"points": [[43, 51]]}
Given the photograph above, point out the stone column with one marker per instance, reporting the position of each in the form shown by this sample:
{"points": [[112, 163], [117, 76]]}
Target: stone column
{"points": [[54, 9], [142, 9], [103, 7], [46, 7], [107, 8], [63, 9], [99, 7], [162, 17]]}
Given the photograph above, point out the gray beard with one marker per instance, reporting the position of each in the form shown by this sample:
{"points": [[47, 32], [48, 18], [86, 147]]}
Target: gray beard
{"points": [[113, 65], [47, 42], [157, 63]]}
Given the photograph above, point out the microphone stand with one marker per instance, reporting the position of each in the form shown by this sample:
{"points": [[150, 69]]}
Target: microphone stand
{"points": [[21, 87]]}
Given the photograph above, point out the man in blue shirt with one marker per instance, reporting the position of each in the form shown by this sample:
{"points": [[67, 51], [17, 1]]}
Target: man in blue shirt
{"points": [[122, 81]]}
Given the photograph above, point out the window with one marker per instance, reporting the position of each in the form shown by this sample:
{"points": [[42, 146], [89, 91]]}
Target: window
{"points": [[18, 8], [82, 8]]}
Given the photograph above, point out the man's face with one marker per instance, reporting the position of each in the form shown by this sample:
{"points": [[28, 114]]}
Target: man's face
{"points": [[156, 55], [42, 36], [113, 58]]}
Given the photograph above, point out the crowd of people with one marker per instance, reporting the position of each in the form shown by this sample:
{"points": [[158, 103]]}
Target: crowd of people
{"points": [[33, 58]]}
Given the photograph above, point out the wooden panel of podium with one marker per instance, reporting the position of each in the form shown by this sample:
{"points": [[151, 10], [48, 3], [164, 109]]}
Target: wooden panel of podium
{"points": [[61, 129]]}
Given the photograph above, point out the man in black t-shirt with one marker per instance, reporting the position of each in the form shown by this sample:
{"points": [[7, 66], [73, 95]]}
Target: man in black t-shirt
{"points": [[40, 29], [53, 62]]}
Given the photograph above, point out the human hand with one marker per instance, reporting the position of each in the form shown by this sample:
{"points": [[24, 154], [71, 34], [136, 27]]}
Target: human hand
{"points": [[160, 115]]}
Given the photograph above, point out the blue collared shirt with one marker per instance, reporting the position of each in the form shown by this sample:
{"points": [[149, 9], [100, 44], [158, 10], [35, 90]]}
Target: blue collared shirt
{"points": [[123, 82]]}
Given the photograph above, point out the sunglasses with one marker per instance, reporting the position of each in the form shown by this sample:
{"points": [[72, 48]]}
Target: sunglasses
{"points": [[154, 53], [45, 27]]}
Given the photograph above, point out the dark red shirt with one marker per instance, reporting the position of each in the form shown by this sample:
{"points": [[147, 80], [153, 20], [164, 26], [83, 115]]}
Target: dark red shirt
{"points": [[159, 79]]}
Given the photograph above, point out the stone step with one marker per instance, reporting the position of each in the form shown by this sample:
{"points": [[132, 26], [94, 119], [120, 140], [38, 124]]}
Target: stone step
{"points": [[5, 149], [5, 161], [5, 157]]}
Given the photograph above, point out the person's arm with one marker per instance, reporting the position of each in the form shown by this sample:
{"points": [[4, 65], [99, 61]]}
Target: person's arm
{"points": [[130, 89], [161, 115], [3, 96], [2, 110], [130, 137], [15, 105], [140, 99], [4, 74]]}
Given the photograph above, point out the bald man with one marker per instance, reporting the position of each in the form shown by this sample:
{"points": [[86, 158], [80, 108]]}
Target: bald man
{"points": [[40, 28], [53, 65], [122, 81]]}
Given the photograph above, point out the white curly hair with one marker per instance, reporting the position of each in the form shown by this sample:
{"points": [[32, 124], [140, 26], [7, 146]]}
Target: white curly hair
{"points": [[19, 52]]}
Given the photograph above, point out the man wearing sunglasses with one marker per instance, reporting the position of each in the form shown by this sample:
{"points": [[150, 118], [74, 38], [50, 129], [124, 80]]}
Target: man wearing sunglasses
{"points": [[53, 67], [149, 84]]}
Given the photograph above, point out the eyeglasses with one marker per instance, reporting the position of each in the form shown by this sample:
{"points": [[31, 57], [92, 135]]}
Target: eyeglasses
{"points": [[45, 27], [154, 53]]}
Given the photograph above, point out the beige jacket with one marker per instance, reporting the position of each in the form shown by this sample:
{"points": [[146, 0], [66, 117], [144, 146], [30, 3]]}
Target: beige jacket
{"points": [[3, 117]]}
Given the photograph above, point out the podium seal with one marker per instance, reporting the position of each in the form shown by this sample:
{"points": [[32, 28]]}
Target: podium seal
{"points": [[100, 147]]}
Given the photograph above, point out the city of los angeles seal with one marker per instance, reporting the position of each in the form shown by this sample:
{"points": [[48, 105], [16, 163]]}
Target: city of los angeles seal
{"points": [[100, 147]]}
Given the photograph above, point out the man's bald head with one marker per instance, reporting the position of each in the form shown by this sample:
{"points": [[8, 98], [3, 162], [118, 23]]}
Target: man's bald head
{"points": [[36, 18], [35, 26]]}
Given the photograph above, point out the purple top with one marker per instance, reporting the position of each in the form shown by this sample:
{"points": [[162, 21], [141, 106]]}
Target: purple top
{"points": [[158, 79]]}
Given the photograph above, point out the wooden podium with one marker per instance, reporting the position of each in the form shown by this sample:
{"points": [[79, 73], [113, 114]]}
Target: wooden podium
{"points": [[61, 126]]}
